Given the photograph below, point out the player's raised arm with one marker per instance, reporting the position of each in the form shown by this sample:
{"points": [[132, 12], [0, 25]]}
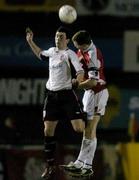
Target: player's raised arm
{"points": [[29, 37]]}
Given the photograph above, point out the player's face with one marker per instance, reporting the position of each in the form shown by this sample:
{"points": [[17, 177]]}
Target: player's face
{"points": [[81, 47], [61, 40]]}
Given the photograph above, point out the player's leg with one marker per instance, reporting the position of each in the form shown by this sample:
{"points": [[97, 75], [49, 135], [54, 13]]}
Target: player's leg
{"points": [[50, 123], [49, 148], [89, 142], [88, 147], [83, 165]]}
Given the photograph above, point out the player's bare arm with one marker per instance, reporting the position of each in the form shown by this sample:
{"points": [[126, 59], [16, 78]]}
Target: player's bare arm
{"points": [[29, 37], [87, 84], [80, 77]]}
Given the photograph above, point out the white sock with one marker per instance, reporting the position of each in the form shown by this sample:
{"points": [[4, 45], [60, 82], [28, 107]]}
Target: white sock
{"points": [[90, 155], [87, 152]]}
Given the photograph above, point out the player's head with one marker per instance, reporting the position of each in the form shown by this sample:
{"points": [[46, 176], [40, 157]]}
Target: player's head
{"points": [[81, 39], [65, 30], [62, 37]]}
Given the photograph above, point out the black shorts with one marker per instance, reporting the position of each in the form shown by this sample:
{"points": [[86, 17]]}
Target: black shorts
{"points": [[62, 104]]}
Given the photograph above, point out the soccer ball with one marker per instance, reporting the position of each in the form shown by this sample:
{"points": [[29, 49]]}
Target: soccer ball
{"points": [[67, 14]]}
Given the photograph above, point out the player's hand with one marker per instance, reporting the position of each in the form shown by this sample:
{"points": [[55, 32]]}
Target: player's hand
{"points": [[29, 34]]}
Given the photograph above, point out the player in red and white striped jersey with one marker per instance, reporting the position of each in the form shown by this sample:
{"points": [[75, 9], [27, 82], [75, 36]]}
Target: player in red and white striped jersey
{"points": [[94, 100]]}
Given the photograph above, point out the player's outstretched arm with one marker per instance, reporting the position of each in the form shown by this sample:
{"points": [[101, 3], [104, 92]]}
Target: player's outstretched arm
{"points": [[87, 84], [29, 37]]}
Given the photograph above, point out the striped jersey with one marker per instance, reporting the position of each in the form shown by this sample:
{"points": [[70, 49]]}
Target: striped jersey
{"points": [[93, 65]]}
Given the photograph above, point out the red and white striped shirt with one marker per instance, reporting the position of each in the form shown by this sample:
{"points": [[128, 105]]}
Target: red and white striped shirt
{"points": [[93, 65]]}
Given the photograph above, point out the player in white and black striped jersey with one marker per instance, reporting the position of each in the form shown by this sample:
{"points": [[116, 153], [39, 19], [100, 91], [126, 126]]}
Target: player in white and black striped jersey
{"points": [[61, 101]]}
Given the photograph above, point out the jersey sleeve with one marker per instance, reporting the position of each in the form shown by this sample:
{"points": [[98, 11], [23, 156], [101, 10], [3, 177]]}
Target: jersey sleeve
{"points": [[75, 62], [45, 54], [94, 65]]}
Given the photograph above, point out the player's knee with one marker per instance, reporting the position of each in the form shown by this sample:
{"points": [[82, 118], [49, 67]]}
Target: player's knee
{"points": [[78, 125], [79, 128], [47, 131]]}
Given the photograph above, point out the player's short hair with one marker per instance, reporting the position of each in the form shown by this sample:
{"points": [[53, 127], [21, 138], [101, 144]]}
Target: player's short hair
{"points": [[82, 37], [66, 30]]}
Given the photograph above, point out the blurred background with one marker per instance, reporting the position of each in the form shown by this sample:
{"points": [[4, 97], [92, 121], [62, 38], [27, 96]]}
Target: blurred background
{"points": [[114, 26]]}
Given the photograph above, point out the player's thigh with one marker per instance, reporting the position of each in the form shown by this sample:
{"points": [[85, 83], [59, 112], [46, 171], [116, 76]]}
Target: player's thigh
{"points": [[88, 101], [49, 127], [101, 99]]}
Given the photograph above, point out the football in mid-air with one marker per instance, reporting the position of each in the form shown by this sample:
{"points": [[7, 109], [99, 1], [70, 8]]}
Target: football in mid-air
{"points": [[67, 14]]}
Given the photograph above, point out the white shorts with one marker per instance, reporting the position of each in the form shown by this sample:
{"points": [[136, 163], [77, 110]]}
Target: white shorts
{"points": [[95, 103]]}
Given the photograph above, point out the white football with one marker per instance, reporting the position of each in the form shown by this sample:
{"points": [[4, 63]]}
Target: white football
{"points": [[67, 14]]}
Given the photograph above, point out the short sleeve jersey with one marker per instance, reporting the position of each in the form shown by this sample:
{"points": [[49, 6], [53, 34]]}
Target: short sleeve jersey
{"points": [[93, 64], [59, 68]]}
